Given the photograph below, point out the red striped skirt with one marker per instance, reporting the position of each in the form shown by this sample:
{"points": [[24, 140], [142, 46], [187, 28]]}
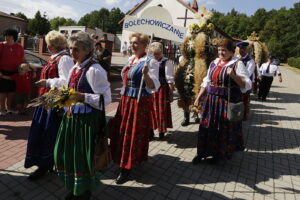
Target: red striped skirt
{"points": [[162, 116], [129, 131]]}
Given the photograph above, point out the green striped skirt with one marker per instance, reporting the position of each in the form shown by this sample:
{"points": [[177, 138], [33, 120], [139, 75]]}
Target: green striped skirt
{"points": [[74, 151]]}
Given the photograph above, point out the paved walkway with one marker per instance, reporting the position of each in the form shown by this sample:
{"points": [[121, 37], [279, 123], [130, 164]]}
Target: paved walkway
{"points": [[268, 169]]}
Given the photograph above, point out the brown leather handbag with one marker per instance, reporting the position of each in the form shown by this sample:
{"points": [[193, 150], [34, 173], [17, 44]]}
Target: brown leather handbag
{"points": [[102, 154]]}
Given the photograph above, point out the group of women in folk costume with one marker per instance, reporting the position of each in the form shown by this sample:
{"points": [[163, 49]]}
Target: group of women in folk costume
{"points": [[68, 141], [73, 148]]}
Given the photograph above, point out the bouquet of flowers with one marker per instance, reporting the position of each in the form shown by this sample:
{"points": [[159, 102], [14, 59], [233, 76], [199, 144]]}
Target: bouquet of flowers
{"points": [[55, 98]]}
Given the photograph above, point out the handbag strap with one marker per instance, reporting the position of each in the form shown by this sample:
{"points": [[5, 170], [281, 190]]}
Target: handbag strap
{"points": [[229, 80], [228, 93], [101, 103], [103, 117]]}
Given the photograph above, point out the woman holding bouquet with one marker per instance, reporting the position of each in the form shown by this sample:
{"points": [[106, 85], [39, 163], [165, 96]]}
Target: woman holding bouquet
{"points": [[132, 123], [45, 123], [75, 144]]}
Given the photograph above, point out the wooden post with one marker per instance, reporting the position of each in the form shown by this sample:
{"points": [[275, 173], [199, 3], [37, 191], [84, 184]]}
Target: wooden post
{"points": [[42, 46], [24, 40]]}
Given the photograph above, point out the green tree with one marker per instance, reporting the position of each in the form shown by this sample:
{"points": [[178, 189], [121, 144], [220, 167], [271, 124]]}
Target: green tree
{"points": [[259, 19], [21, 15], [70, 22], [280, 34], [279, 29], [56, 22], [103, 19], [115, 15], [295, 34], [84, 20], [95, 19], [61, 21], [39, 24]]}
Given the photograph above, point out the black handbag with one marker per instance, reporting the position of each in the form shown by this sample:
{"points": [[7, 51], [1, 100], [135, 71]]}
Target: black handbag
{"points": [[235, 111]]}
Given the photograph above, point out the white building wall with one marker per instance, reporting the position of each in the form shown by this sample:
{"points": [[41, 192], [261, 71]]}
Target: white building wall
{"points": [[117, 41]]}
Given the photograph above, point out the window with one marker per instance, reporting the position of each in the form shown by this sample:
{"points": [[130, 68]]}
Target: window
{"points": [[75, 31], [18, 28], [34, 60]]}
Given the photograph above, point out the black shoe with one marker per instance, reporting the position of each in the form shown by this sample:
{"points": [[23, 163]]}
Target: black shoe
{"points": [[161, 136], [186, 119], [151, 135], [185, 122], [196, 160], [240, 148], [123, 176], [70, 196], [39, 173]]}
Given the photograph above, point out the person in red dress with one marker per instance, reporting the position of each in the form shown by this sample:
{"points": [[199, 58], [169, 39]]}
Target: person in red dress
{"points": [[164, 96], [11, 56], [23, 86], [130, 128]]}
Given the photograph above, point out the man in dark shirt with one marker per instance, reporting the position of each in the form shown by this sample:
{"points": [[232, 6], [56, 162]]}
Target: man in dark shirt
{"points": [[102, 55]]}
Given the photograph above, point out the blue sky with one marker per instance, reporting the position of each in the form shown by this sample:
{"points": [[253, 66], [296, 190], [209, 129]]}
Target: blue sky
{"points": [[75, 9]]}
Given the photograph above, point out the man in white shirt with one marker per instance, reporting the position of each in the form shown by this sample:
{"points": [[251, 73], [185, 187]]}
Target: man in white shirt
{"points": [[250, 67], [266, 73]]}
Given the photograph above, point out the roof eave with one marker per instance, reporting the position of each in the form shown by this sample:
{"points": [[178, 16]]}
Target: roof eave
{"points": [[140, 4]]}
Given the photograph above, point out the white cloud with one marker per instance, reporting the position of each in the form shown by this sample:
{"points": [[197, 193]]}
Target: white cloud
{"points": [[111, 2], [207, 2], [30, 7]]}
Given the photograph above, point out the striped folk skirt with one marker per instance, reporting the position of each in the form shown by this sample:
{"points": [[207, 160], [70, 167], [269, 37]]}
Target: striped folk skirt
{"points": [[74, 151], [217, 136], [162, 109], [129, 131]]}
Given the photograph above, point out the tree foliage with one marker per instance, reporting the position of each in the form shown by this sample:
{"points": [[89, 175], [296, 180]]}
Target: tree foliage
{"points": [[39, 24], [103, 19], [21, 15], [61, 21], [279, 29]]}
